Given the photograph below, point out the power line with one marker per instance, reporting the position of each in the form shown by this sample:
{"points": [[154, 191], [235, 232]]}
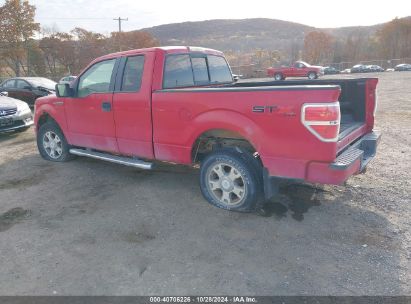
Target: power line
{"points": [[119, 19]]}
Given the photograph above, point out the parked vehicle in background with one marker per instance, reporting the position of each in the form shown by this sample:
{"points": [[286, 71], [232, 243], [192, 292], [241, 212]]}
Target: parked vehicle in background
{"points": [[359, 68], [28, 89], [15, 115], [403, 67], [298, 69], [331, 70], [374, 68], [346, 71], [181, 105], [67, 79]]}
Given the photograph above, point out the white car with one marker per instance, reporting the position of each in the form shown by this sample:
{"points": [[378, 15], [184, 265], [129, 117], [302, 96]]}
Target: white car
{"points": [[67, 79], [15, 115]]}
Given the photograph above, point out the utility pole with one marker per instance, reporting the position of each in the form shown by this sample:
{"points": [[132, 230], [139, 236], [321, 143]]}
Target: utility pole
{"points": [[119, 19]]}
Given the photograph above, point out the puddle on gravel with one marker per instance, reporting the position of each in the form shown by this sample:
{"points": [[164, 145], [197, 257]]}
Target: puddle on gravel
{"points": [[295, 198], [12, 217]]}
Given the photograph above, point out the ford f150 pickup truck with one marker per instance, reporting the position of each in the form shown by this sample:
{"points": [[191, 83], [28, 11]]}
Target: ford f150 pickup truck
{"points": [[299, 69], [181, 105]]}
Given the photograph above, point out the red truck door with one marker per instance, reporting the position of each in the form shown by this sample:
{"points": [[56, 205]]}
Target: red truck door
{"points": [[132, 105], [299, 69], [89, 114]]}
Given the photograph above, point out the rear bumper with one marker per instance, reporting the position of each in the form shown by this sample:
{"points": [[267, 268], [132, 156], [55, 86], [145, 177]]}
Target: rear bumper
{"points": [[350, 162]]}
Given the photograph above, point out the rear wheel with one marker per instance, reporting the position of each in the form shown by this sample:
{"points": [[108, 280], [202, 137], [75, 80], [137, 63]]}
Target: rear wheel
{"points": [[52, 144], [278, 76], [231, 179], [312, 75]]}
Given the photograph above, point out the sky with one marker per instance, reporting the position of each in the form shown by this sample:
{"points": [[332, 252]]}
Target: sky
{"points": [[97, 15]]}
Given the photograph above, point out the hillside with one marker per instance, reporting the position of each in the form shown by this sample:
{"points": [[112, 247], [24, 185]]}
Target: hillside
{"points": [[241, 35], [246, 34]]}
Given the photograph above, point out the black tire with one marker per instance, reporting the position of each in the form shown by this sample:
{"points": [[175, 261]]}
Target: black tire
{"points": [[52, 130], [312, 75], [239, 163], [278, 76]]}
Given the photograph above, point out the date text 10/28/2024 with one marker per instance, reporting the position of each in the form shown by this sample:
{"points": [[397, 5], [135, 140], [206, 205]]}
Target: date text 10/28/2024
{"points": [[203, 299]]}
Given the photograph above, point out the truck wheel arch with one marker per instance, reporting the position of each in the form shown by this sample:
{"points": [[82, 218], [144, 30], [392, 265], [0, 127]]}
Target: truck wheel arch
{"points": [[47, 117], [211, 139]]}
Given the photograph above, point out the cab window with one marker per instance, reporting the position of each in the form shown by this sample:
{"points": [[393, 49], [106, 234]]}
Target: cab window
{"points": [[133, 73], [96, 79], [178, 72], [200, 70], [219, 70], [188, 70]]}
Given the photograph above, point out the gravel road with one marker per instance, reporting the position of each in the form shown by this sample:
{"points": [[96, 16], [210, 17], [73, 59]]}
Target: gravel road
{"points": [[92, 228]]}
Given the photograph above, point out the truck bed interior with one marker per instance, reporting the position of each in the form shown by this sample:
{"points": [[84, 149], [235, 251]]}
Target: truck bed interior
{"points": [[352, 98]]}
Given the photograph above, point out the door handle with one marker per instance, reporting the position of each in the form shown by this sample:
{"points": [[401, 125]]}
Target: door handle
{"points": [[106, 106]]}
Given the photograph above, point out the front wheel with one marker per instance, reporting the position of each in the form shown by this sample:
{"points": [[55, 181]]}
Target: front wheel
{"points": [[231, 179], [278, 76], [52, 144], [312, 75]]}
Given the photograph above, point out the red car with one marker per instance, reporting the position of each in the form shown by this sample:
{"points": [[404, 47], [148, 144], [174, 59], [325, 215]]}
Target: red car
{"points": [[299, 69], [181, 105]]}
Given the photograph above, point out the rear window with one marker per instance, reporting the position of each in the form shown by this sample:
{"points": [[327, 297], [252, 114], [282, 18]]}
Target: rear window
{"points": [[219, 71], [196, 69], [178, 72]]}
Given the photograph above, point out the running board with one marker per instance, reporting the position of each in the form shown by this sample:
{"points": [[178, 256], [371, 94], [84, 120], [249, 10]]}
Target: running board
{"points": [[132, 162]]}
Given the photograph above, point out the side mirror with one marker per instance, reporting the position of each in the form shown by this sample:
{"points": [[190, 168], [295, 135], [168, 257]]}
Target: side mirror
{"points": [[4, 93], [63, 90]]}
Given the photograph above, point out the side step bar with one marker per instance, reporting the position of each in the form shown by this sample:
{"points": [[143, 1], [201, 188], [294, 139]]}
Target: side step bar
{"points": [[132, 162]]}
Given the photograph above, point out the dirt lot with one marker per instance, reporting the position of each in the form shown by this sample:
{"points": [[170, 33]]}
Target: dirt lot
{"points": [[89, 227]]}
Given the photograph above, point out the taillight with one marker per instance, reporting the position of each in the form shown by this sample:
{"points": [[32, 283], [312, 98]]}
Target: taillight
{"points": [[322, 120]]}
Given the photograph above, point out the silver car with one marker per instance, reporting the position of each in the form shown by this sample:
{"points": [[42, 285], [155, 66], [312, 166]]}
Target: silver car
{"points": [[15, 115]]}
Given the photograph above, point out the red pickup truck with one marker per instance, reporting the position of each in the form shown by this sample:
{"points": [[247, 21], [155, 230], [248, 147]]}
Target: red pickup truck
{"points": [[299, 69], [181, 105]]}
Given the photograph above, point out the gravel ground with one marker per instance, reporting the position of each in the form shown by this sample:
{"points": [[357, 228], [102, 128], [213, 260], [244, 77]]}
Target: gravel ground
{"points": [[93, 228]]}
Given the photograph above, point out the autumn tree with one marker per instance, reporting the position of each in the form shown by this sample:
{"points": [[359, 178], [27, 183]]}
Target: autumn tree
{"points": [[88, 46], [130, 40], [17, 26], [317, 47], [394, 39]]}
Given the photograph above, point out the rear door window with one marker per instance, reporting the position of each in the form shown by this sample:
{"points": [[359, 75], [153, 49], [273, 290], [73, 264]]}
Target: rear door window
{"points": [[133, 72], [200, 70], [178, 72]]}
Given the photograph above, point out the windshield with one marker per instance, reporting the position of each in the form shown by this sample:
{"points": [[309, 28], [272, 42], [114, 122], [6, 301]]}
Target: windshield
{"points": [[43, 82], [304, 63]]}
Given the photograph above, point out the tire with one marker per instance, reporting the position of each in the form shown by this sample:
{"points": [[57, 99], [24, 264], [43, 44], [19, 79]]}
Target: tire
{"points": [[278, 76], [312, 75], [232, 179], [52, 144]]}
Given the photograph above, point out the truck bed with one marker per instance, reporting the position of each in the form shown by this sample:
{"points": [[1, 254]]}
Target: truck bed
{"points": [[352, 99]]}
